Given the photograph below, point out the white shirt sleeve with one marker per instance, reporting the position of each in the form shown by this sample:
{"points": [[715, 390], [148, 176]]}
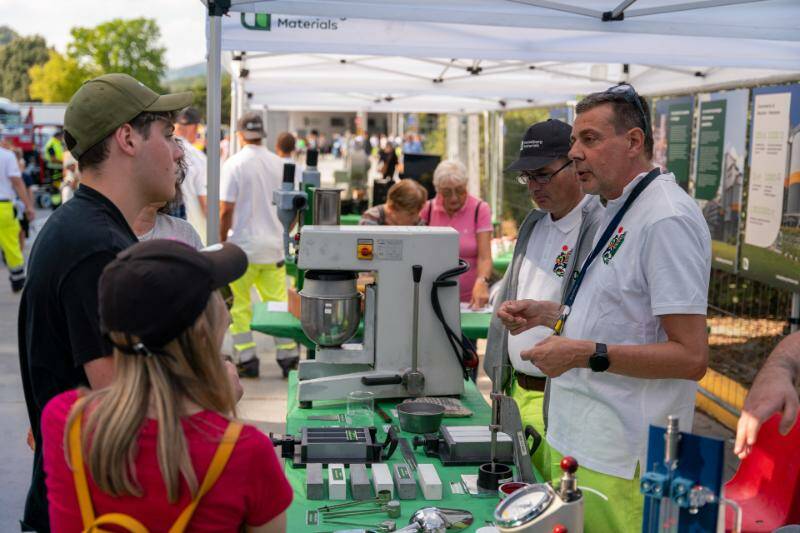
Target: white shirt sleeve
{"points": [[677, 266], [199, 180], [228, 183], [12, 167]]}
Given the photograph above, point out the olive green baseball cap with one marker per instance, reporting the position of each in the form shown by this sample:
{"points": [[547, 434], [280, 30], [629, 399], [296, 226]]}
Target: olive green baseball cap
{"points": [[107, 102]]}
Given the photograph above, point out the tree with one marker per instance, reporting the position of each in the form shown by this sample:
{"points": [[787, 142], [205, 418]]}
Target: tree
{"points": [[199, 88], [127, 46], [7, 35], [58, 79], [16, 58]]}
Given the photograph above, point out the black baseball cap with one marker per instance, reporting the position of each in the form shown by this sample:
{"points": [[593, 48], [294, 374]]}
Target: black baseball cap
{"points": [[251, 124], [188, 116], [157, 289], [543, 143]]}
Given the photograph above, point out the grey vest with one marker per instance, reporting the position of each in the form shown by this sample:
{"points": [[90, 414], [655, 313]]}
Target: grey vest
{"points": [[497, 341]]}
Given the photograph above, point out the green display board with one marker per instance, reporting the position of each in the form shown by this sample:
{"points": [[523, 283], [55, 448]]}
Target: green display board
{"points": [[771, 249], [710, 141], [719, 165], [672, 137]]}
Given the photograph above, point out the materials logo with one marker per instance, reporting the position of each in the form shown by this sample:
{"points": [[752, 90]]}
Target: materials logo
{"points": [[264, 21]]}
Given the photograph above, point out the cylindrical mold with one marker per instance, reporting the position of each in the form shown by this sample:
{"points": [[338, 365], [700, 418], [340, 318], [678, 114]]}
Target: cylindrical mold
{"points": [[671, 439], [327, 206]]}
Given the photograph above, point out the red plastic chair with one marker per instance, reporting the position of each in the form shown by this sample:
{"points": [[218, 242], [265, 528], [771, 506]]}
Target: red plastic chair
{"points": [[767, 484]]}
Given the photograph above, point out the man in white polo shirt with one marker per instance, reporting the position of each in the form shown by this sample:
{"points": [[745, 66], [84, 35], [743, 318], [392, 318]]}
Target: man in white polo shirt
{"points": [[552, 239], [634, 337], [249, 219]]}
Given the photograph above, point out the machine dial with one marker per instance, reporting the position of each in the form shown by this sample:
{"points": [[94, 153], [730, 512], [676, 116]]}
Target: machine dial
{"points": [[524, 505]]}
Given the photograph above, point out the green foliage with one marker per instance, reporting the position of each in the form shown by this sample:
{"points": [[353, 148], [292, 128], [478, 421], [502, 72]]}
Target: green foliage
{"points": [[516, 202], [127, 46], [434, 128], [58, 79], [16, 58], [199, 87], [7, 35]]}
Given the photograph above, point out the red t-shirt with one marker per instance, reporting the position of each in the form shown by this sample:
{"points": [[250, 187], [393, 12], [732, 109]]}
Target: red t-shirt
{"points": [[252, 488]]}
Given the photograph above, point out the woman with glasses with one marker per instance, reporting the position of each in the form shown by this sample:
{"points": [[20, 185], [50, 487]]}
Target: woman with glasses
{"points": [[160, 448], [453, 206]]}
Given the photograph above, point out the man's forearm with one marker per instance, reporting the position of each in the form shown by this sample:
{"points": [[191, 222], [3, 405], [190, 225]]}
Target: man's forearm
{"points": [[22, 192], [786, 356]]}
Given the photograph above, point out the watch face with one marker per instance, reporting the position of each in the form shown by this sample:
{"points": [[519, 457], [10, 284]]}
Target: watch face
{"points": [[599, 363]]}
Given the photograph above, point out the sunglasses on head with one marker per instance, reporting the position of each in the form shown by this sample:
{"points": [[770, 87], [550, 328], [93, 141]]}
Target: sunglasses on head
{"points": [[542, 178], [627, 92]]}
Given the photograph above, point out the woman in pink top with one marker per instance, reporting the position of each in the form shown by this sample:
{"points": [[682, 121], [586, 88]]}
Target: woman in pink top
{"points": [[159, 448], [472, 218]]}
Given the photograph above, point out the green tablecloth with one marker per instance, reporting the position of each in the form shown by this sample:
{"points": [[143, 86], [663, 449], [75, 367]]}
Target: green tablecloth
{"points": [[349, 220], [501, 262], [482, 508], [284, 324]]}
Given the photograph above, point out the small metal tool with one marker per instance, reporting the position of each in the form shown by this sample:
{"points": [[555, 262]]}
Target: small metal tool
{"points": [[391, 508], [382, 497], [329, 418], [408, 454], [383, 414], [384, 527]]}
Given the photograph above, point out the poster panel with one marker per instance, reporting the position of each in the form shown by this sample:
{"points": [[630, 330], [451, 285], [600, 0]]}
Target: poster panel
{"points": [[672, 136], [771, 248], [719, 165]]}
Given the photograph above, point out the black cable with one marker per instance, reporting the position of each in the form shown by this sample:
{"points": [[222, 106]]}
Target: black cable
{"points": [[461, 350]]}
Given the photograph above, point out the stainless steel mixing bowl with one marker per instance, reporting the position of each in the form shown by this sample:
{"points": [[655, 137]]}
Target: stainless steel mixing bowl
{"points": [[330, 320], [330, 307]]}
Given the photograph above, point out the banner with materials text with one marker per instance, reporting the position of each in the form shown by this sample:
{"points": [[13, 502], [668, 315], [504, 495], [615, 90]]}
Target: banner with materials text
{"points": [[719, 166], [771, 247], [672, 136]]}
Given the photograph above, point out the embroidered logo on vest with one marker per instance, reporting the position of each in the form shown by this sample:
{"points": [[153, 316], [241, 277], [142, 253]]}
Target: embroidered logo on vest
{"points": [[613, 245], [560, 267]]}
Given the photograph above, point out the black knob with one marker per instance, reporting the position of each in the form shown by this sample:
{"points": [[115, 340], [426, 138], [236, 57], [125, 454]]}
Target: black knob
{"points": [[311, 158], [288, 173], [416, 272]]}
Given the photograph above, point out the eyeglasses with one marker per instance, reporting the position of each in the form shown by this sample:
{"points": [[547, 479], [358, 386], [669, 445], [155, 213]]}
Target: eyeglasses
{"points": [[629, 94], [542, 178]]}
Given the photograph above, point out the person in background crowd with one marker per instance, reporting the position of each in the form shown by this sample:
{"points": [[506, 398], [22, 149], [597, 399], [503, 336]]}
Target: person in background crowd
{"points": [[249, 219], [72, 177], [193, 188], [404, 201], [11, 188], [53, 155], [633, 340], [121, 132], [284, 147], [472, 218], [148, 439], [553, 241], [388, 161], [774, 391], [412, 144]]}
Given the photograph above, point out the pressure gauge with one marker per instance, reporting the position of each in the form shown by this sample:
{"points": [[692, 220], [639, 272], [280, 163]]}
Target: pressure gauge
{"points": [[524, 505]]}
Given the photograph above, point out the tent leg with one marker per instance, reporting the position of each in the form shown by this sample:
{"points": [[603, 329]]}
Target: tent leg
{"points": [[794, 321], [213, 117]]}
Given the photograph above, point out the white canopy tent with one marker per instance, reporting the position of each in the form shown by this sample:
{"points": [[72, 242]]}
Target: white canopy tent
{"points": [[508, 53]]}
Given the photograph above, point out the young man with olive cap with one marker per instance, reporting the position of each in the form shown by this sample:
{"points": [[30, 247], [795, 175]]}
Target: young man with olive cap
{"points": [[121, 133], [552, 241]]}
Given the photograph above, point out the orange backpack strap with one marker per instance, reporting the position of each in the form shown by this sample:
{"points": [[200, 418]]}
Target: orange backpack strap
{"points": [[78, 472], [221, 456]]}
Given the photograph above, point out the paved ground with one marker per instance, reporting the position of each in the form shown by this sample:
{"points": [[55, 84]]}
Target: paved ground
{"points": [[264, 404]]}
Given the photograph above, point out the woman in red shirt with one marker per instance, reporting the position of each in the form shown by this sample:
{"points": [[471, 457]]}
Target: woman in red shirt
{"points": [[161, 445]]}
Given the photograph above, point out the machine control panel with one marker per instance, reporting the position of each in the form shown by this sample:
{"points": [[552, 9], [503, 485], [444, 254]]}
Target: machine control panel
{"points": [[364, 249]]}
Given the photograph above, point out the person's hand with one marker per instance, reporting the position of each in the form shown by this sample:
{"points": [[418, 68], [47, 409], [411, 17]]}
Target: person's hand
{"points": [[772, 392], [31, 441], [233, 375], [480, 295], [30, 214], [555, 355], [521, 315]]}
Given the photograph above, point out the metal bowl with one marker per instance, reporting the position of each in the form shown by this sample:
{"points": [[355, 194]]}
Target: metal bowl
{"points": [[330, 320], [420, 417]]}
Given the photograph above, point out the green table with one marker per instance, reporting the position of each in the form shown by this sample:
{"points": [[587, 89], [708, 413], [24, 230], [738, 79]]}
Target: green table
{"points": [[501, 262], [283, 324], [349, 220], [481, 508]]}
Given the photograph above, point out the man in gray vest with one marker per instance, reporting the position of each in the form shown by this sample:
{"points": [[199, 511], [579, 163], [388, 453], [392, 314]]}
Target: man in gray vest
{"points": [[553, 241]]}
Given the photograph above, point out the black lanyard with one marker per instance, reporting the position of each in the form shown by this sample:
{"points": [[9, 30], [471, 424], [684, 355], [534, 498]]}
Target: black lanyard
{"points": [[601, 243]]}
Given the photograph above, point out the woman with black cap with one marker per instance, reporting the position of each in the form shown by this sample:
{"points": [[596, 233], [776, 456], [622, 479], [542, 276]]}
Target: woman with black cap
{"points": [[161, 447]]}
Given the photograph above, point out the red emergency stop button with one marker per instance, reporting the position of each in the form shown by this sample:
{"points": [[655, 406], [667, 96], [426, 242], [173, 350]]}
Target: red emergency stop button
{"points": [[364, 249]]}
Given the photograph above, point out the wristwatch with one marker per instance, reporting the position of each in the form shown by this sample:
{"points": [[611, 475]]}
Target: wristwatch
{"points": [[598, 361]]}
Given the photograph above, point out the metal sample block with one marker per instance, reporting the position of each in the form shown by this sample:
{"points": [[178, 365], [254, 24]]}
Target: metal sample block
{"points": [[360, 487], [337, 482], [405, 482], [429, 481], [315, 485], [381, 478]]}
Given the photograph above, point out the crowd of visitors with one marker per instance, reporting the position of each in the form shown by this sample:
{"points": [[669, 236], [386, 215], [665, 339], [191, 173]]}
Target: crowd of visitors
{"points": [[132, 404]]}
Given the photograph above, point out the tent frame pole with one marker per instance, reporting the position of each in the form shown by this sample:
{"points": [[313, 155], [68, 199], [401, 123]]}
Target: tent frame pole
{"points": [[216, 9]]}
